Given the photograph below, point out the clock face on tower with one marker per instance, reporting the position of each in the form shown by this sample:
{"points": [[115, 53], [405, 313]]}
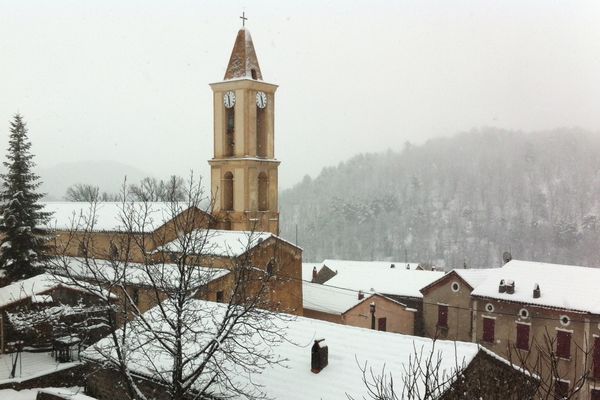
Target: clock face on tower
{"points": [[229, 99], [261, 99]]}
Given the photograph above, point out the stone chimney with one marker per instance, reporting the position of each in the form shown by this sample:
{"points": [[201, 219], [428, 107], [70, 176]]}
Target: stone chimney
{"points": [[361, 295], [536, 291], [314, 275]]}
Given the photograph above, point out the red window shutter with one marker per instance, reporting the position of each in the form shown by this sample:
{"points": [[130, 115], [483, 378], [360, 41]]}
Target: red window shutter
{"points": [[523, 336], [596, 362], [489, 326], [561, 389], [442, 316], [563, 344], [382, 324]]}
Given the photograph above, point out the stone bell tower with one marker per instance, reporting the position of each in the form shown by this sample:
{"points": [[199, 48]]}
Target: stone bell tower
{"points": [[244, 168]]}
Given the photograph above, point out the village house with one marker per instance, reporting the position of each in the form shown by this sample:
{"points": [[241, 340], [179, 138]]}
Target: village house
{"points": [[400, 282], [334, 372], [343, 306], [543, 316], [447, 304]]}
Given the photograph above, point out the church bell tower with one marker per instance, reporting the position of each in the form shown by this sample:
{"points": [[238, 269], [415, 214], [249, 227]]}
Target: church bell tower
{"points": [[243, 168]]}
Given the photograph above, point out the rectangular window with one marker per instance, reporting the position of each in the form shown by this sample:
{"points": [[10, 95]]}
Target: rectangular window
{"points": [[442, 321], [561, 389], [595, 394], [523, 336], [382, 324], [563, 344], [489, 327], [219, 296], [596, 360]]}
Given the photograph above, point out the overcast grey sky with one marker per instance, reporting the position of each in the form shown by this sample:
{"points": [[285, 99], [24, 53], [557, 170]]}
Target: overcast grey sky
{"points": [[128, 80]]}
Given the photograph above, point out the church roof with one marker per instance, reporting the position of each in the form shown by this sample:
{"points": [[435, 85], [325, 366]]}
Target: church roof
{"points": [[243, 62]]}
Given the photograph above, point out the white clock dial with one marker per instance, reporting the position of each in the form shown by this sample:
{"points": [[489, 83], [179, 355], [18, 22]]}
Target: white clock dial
{"points": [[261, 99], [229, 99]]}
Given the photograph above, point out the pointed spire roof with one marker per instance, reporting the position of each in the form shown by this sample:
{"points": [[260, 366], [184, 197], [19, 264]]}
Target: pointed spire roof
{"points": [[243, 62]]}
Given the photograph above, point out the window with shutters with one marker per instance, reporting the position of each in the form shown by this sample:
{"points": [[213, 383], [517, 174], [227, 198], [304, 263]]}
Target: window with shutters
{"points": [[442, 321], [596, 360], [523, 336], [563, 344], [561, 389], [219, 296], [489, 327]]}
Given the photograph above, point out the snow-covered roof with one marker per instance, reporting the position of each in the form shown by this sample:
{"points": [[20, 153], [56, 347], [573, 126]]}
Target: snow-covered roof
{"points": [[342, 264], [561, 286], [32, 287], [136, 274], [325, 298], [108, 216], [294, 380], [217, 242], [474, 277], [379, 277]]}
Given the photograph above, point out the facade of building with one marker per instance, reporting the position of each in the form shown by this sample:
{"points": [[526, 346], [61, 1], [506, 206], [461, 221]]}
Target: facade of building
{"points": [[539, 315], [347, 307]]}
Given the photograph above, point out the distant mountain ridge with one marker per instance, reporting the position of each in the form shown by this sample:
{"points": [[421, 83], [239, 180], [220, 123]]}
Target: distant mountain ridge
{"points": [[455, 201], [107, 175]]}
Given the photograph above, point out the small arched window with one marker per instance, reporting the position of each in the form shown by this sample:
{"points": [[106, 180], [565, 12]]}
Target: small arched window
{"points": [[253, 73], [263, 189], [228, 191]]}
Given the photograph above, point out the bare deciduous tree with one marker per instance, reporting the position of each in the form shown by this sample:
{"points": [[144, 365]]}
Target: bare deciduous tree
{"points": [[192, 348]]}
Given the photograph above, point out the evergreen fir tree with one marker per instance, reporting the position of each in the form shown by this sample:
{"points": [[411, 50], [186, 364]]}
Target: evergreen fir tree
{"points": [[24, 246]]}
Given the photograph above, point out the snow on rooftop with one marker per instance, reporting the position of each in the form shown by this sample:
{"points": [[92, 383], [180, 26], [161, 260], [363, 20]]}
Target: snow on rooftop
{"points": [[293, 380], [108, 216], [31, 287], [379, 277], [31, 365], [475, 277], [328, 299], [217, 242], [137, 274], [562, 286]]}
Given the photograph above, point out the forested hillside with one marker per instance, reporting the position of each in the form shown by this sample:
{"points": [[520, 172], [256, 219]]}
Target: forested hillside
{"points": [[451, 201]]}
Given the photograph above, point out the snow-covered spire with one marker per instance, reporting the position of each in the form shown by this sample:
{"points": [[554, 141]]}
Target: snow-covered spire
{"points": [[243, 62]]}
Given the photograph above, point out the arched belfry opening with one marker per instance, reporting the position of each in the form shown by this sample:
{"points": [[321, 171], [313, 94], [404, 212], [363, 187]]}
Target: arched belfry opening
{"points": [[228, 191], [261, 133], [229, 131], [263, 192]]}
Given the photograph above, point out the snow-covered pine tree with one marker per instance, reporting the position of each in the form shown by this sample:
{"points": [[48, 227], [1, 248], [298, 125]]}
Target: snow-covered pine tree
{"points": [[23, 245]]}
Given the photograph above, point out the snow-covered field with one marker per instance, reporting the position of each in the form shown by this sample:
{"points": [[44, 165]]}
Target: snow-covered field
{"points": [[29, 365]]}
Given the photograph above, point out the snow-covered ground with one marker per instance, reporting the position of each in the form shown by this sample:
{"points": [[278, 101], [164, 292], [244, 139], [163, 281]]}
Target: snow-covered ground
{"points": [[74, 393], [29, 365]]}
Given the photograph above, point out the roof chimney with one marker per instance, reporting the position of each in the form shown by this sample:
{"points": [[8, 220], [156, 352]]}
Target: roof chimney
{"points": [[361, 295], [501, 286], [314, 275], [319, 356], [506, 257], [510, 286], [392, 265], [536, 291]]}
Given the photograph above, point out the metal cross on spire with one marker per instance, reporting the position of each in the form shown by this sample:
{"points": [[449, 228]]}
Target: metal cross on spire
{"points": [[243, 18]]}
